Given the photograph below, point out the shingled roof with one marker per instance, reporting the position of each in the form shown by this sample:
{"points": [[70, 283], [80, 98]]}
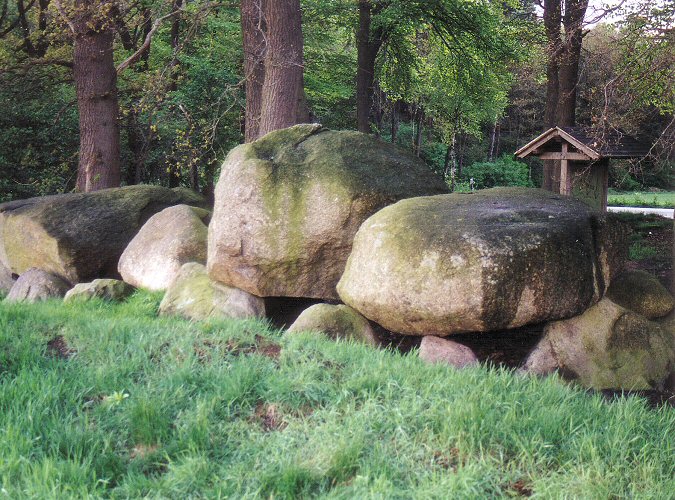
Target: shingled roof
{"points": [[595, 143]]}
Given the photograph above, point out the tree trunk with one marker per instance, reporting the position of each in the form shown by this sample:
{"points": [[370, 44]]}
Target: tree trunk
{"points": [[460, 155], [491, 154], [568, 70], [368, 45], [379, 96], [450, 163], [253, 32], [283, 98], [562, 71], [394, 121], [552, 19], [417, 145], [96, 90], [175, 44]]}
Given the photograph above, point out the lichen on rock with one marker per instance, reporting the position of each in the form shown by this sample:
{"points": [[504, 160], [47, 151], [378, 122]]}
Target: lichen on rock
{"points": [[106, 289], [194, 295], [641, 292], [288, 205], [80, 236], [336, 322], [497, 259], [607, 347], [35, 285]]}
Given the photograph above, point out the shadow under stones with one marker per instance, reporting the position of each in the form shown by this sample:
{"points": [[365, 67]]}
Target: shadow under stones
{"points": [[283, 311]]}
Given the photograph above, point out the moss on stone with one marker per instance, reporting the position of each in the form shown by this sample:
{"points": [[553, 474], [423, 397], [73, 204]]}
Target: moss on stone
{"points": [[518, 243], [641, 292], [610, 347], [298, 174], [194, 295], [336, 322], [80, 236], [107, 289]]}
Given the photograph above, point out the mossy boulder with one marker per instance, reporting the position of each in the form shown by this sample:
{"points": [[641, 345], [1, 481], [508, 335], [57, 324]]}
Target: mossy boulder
{"points": [[497, 259], [79, 236], [173, 237], [608, 347], [194, 295], [35, 285], [642, 293], [336, 322], [287, 207], [106, 288]]}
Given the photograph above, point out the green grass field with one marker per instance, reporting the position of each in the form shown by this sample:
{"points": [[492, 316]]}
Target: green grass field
{"points": [[103, 400], [641, 199]]}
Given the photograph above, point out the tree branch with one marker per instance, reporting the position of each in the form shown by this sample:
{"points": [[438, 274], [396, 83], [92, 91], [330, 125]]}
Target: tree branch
{"points": [[65, 17], [133, 58]]}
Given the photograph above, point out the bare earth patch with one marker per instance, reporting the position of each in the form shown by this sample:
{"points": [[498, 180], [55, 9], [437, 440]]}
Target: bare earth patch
{"points": [[59, 348]]}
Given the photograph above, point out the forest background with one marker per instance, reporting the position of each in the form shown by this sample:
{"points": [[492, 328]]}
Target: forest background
{"points": [[461, 83]]}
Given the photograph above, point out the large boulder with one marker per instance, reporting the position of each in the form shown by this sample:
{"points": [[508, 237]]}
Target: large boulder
{"points": [[336, 322], [607, 347], [173, 237], [6, 280], [194, 295], [288, 205], [107, 289], [35, 285], [497, 259], [642, 293], [80, 236]]}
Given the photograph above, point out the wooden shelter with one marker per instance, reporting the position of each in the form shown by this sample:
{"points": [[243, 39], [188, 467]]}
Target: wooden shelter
{"points": [[584, 156]]}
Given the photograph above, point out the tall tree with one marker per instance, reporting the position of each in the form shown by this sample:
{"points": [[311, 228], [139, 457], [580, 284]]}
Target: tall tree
{"points": [[253, 35], [563, 21], [96, 86], [273, 65], [369, 40]]}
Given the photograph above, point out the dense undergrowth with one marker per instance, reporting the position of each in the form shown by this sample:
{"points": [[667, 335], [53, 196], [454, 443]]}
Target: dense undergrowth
{"points": [[109, 400]]}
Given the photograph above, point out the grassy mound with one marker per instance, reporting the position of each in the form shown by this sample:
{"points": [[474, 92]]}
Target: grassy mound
{"points": [[111, 401]]}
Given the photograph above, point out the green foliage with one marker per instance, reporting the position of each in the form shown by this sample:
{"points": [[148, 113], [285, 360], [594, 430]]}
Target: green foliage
{"points": [[504, 172], [141, 406], [38, 134]]}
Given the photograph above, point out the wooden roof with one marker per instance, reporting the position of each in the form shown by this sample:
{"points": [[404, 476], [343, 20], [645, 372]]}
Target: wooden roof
{"points": [[590, 142]]}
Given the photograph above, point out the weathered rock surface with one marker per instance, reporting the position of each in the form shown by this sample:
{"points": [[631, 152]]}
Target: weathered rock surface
{"points": [[438, 350], [336, 322], [288, 205], [195, 296], [35, 285], [173, 237], [607, 347], [6, 280], [497, 259], [108, 289], [642, 293], [80, 236]]}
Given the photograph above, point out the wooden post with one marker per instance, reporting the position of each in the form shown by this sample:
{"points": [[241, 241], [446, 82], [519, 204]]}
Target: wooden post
{"points": [[565, 184], [604, 165]]}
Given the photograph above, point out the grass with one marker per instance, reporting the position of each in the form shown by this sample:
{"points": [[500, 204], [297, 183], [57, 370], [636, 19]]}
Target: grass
{"points": [[649, 238], [101, 400], [641, 199]]}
